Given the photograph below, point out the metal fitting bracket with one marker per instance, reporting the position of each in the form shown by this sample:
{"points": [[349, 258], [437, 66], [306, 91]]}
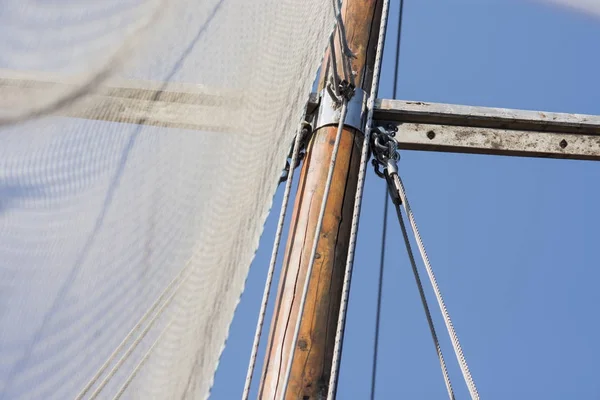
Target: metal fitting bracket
{"points": [[384, 146], [330, 110], [305, 133]]}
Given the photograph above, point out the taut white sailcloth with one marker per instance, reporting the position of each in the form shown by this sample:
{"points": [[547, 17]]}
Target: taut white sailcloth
{"points": [[148, 169]]}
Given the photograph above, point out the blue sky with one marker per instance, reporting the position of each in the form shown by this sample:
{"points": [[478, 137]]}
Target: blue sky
{"points": [[513, 241]]}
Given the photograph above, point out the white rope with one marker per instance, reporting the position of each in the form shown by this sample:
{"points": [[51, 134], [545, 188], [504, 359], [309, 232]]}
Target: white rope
{"points": [[364, 159], [110, 359], [451, 331], [140, 364], [131, 348], [275, 251], [313, 253], [434, 336]]}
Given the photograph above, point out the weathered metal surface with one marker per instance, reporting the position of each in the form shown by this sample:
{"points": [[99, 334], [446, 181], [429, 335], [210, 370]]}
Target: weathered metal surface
{"points": [[506, 142], [485, 117], [330, 111]]}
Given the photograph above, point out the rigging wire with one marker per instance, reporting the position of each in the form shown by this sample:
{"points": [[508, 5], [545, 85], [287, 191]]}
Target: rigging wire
{"points": [[434, 336], [408, 248], [398, 42], [379, 292], [273, 262], [364, 159], [336, 147], [442, 305], [385, 217], [333, 89], [346, 53]]}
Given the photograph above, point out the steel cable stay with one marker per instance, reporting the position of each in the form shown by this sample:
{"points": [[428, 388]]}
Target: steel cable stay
{"points": [[380, 149], [426, 309], [385, 215], [334, 88], [419, 283], [438, 294], [385, 150], [379, 294]]}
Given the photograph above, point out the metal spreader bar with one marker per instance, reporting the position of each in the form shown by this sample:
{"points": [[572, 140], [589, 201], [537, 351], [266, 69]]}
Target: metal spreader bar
{"points": [[495, 131]]}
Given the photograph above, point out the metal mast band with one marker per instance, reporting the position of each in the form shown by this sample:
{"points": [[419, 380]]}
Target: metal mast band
{"points": [[330, 110]]}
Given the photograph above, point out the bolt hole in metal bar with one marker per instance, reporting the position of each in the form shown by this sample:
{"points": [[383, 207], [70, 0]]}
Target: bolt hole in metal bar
{"points": [[494, 131], [504, 142]]}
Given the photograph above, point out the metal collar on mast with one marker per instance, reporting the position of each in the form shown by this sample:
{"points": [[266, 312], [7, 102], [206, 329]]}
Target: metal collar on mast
{"points": [[330, 110]]}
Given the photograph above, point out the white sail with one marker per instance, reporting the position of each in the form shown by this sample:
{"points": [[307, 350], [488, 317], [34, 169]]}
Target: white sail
{"points": [[110, 188], [588, 6]]}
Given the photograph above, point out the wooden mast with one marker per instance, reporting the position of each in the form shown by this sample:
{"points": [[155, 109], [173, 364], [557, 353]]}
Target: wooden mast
{"points": [[313, 351]]}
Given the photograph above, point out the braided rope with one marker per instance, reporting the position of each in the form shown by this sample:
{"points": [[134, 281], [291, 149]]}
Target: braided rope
{"points": [[364, 159], [449, 326], [313, 252], [275, 251], [434, 336]]}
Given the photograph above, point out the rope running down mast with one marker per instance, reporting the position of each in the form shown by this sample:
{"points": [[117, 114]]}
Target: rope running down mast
{"points": [[364, 159], [273, 262], [313, 253], [295, 157]]}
